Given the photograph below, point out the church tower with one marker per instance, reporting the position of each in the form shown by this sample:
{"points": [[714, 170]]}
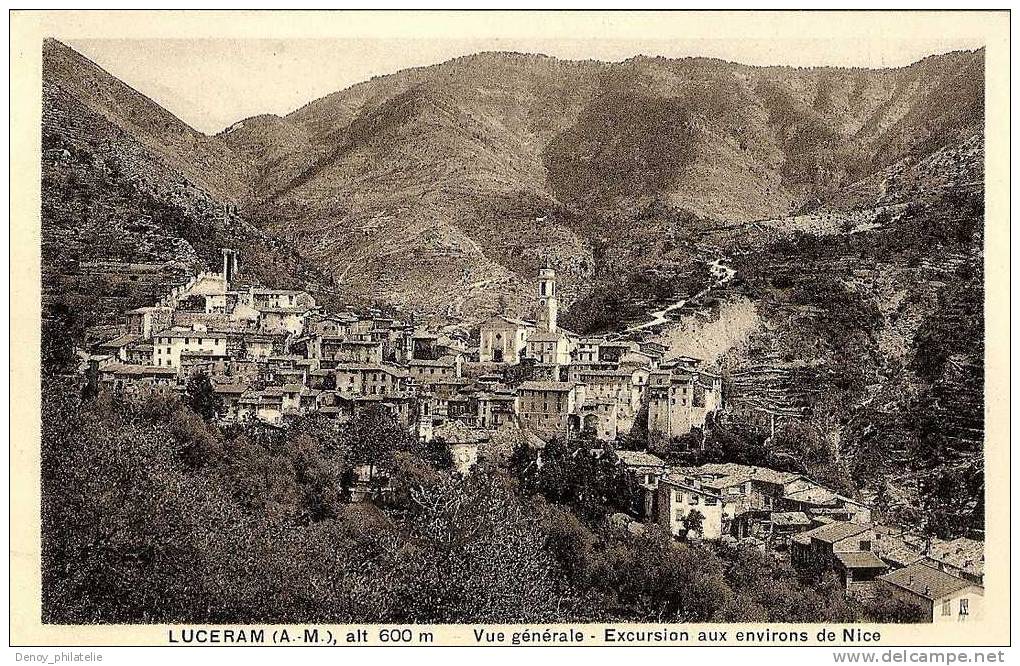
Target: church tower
{"points": [[229, 265], [547, 302]]}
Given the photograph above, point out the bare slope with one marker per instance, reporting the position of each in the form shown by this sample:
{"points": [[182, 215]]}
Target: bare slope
{"points": [[478, 148]]}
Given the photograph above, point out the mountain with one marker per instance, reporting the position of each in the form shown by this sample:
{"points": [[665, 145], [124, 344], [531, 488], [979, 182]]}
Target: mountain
{"points": [[464, 177], [848, 201], [205, 161], [133, 199], [433, 178]]}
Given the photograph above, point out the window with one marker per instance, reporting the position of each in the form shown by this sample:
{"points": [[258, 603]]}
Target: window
{"points": [[964, 607], [694, 499], [711, 501], [866, 544], [947, 607]]}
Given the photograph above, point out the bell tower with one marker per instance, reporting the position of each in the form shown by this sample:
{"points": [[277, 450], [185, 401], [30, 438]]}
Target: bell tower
{"points": [[229, 265], [547, 301]]}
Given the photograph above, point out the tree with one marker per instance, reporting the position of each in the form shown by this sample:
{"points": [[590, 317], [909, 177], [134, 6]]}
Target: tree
{"points": [[693, 522], [372, 436], [587, 480], [472, 551], [201, 397]]}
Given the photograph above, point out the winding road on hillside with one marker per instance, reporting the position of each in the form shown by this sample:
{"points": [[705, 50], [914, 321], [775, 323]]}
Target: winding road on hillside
{"points": [[723, 274]]}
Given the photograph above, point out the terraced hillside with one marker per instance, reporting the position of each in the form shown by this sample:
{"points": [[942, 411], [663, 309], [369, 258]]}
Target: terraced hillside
{"points": [[872, 336]]}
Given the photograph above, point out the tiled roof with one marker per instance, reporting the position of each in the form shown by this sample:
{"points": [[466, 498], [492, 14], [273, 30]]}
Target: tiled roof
{"points": [[733, 474], [682, 481], [814, 495], [621, 374], [545, 336], [487, 395], [230, 388], [802, 538], [502, 322], [359, 367], [169, 333], [862, 560], [125, 369], [895, 550], [121, 340], [345, 340], [290, 310], [447, 361], [836, 531], [925, 581], [962, 553]]}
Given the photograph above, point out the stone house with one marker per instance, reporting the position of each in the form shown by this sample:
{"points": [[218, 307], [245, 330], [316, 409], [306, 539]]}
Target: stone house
{"points": [[587, 351], [146, 321], [427, 372], [749, 488], [670, 403], [941, 597], [370, 379], [127, 377], [817, 501], [290, 320], [679, 494], [118, 346], [858, 571], [170, 344], [818, 547], [549, 348], [495, 409], [545, 405], [346, 350]]}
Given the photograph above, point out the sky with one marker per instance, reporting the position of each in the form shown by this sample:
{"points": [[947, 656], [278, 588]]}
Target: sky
{"points": [[212, 83]]}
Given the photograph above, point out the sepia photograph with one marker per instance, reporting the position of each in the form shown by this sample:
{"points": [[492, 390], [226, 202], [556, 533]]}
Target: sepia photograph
{"points": [[636, 332]]}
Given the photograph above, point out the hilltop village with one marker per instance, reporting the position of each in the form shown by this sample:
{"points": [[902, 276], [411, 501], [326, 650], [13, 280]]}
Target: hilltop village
{"points": [[272, 355]]}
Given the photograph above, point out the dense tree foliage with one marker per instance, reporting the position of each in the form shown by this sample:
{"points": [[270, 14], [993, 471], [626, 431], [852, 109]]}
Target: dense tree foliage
{"points": [[153, 514], [202, 398]]}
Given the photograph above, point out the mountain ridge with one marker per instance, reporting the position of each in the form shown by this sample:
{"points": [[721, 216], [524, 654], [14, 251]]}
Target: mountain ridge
{"points": [[545, 138], [454, 163]]}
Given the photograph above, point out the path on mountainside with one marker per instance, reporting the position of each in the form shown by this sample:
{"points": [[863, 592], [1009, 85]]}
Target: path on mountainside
{"points": [[723, 274]]}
